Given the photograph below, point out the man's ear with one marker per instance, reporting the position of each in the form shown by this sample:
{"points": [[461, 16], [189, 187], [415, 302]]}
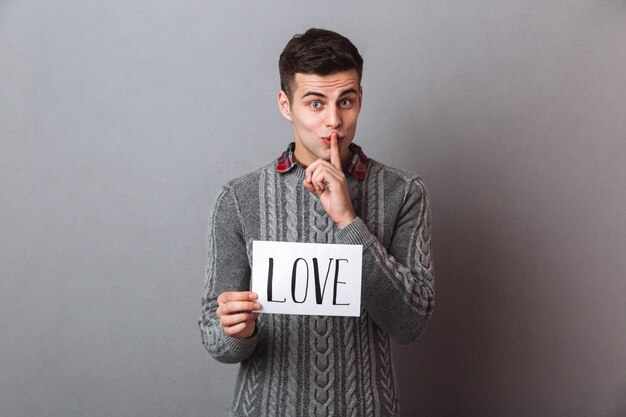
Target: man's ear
{"points": [[360, 95], [283, 105]]}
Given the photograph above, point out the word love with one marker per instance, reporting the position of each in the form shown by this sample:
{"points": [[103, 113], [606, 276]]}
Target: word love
{"points": [[298, 278], [319, 291]]}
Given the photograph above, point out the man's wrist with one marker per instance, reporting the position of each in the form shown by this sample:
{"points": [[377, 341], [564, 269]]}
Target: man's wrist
{"points": [[349, 219]]}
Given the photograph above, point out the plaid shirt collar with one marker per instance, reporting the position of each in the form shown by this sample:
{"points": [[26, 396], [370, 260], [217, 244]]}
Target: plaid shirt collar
{"points": [[357, 166]]}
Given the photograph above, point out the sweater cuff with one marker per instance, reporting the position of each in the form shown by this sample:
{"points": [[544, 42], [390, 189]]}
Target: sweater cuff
{"points": [[355, 233], [242, 345]]}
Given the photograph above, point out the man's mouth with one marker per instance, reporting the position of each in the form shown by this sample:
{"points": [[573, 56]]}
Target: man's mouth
{"points": [[327, 139]]}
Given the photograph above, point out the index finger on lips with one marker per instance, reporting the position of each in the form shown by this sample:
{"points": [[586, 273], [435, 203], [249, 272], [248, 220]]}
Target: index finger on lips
{"points": [[335, 159]]}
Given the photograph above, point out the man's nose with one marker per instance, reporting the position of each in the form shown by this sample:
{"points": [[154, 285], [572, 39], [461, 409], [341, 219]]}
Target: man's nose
{"points": [[333, 118]]}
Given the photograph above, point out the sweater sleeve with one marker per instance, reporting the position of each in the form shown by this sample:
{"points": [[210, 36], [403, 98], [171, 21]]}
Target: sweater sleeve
{"points": [[398, 282], [228, 269]]}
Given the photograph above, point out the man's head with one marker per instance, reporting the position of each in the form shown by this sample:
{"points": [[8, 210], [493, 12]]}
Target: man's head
{"points": [[321, 92], [317, 51]]}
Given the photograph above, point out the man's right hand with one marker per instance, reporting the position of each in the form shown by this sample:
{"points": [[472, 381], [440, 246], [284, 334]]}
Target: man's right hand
{"points": [[237, 313]]}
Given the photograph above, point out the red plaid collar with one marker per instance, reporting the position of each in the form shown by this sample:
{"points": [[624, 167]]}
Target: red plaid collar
{"points": [[357, 167]]}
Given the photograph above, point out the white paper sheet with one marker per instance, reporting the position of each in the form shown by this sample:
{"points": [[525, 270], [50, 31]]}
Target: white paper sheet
{"points": [[307, 278]]}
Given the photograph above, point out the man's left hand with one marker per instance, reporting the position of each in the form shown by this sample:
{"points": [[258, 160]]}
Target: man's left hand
{"points": [[327, 181]]}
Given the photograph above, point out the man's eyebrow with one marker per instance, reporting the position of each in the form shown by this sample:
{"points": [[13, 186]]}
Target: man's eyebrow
{"points": [[351, 90], [313, 93], [348, 91]]}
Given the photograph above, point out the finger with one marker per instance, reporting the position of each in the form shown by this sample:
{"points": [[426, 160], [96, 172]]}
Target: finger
{"points": [[240, 306], [320, 164], [236, 296], [335, 159], [308, 185], [310, 170], [311, 188], [308, 182], [234, 319], [319, 181], [233, 330], [324, 178], [239, 327], [317, 164], [234, 307]]}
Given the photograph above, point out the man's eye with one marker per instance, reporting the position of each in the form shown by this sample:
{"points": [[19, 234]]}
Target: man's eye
{"points": [[345, 103], [316, 104]]}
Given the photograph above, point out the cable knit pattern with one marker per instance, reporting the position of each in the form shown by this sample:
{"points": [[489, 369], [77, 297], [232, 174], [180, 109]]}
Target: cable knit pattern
{"points": [[322, 366], [277, 362], [251, 388], [320, 223], [293, 197], [386, 378], [369, 366], [294, 363], [350, 368]]}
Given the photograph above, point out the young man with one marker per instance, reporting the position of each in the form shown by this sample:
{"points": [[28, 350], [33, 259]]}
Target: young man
{"points": [[322, 189]]}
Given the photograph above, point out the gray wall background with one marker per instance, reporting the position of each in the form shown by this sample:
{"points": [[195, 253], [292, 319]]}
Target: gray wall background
{"points": [[119, 121]]}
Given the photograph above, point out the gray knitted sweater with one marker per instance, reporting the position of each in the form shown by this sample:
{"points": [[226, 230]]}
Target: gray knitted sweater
{"points": [[320, 365]]}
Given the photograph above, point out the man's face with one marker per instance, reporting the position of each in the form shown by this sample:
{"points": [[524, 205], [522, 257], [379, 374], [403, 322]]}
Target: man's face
{"points": [[322, 105]]}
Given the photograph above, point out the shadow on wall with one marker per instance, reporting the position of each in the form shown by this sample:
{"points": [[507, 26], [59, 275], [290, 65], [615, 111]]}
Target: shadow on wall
{"points": [[479, 351]]}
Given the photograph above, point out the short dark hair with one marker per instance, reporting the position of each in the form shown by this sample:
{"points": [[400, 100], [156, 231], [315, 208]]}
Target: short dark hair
{"points": [[317, 51]]}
